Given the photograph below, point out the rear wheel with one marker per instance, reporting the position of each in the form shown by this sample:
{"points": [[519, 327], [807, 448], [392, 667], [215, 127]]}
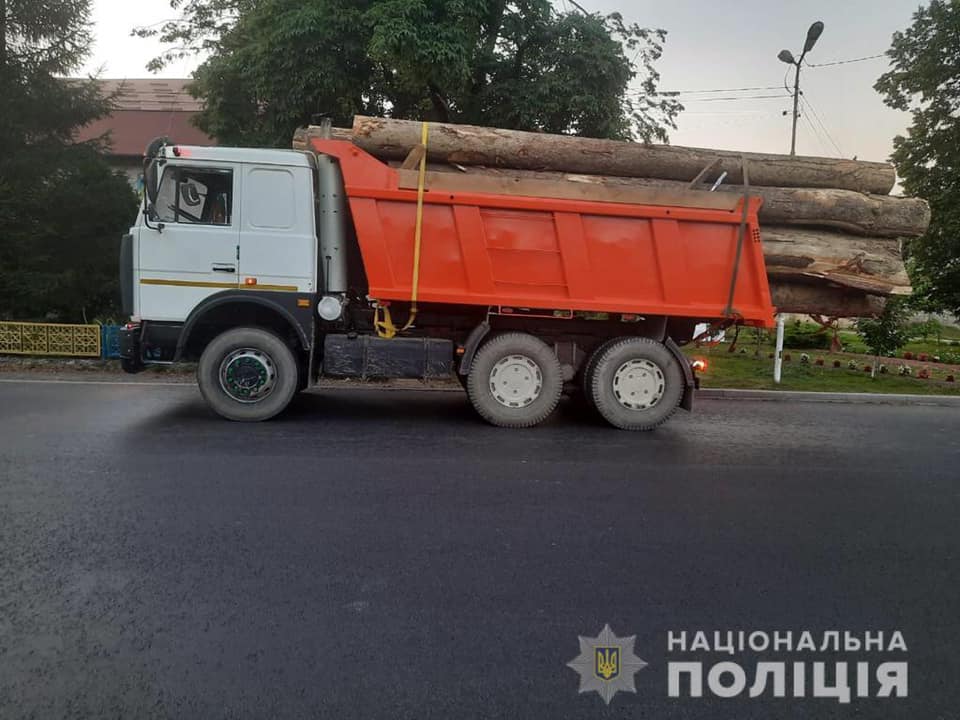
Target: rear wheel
{"points": [[248, 374], [515, 380], [586, 375], [636, 383]]}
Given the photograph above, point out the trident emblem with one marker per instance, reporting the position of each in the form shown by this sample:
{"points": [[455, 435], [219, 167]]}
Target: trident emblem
{"points": [[607, 662]]}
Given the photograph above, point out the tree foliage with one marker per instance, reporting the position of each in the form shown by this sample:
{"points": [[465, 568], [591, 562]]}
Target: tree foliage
{"points": [[275, 64], [925, 79], [888, 332], [62, 209]]}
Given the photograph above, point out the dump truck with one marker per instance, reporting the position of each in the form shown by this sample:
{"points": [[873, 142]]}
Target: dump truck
{"points": [[274, 268]]}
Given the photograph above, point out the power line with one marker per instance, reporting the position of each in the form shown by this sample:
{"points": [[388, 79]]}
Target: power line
{"points": [[719, 90], [809, 106], [737, 97], [816, 133], [846, 62]]}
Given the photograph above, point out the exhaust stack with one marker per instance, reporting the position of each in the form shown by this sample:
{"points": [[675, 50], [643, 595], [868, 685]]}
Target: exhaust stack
{"points": [[332, 220]]}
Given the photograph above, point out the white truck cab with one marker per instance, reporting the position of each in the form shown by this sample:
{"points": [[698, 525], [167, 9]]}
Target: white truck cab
{"points": [[227, 247], [224, 219]]}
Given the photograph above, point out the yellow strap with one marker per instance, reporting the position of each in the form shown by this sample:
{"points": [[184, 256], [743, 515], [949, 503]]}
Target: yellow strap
{"points": [[418, 230], [384, 323]]}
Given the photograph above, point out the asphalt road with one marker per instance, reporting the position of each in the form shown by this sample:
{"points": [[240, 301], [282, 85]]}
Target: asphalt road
{"points": [[383, 554]]}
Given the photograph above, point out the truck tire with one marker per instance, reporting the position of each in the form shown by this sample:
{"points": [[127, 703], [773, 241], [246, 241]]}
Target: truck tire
{"points": [[586, 375], [515, 380], [636, 383], [248, 374]]}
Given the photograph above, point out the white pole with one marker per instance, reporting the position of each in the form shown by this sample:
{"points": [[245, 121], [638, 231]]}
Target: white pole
{"points": [[778, 356]]}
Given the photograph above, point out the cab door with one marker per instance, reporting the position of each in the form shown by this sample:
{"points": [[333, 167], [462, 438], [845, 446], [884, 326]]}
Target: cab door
{"points": [[278, 242], [189, 249]]}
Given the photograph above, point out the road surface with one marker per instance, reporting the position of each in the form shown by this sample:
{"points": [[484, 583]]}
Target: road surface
{"points": [[383, 554]]}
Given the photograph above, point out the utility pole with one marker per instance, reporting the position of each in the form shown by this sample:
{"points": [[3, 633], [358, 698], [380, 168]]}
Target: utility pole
{"points": [[785, 56], [796, 110]]}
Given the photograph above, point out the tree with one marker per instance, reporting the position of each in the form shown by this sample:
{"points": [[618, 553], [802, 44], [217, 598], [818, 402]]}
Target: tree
{"points": [[925, 79], [886, 333], [275, 64], [925, 328], [62, 209]]}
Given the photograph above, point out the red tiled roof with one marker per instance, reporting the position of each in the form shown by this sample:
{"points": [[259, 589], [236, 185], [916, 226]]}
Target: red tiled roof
{"points": [[146, 109], [151, 94]]}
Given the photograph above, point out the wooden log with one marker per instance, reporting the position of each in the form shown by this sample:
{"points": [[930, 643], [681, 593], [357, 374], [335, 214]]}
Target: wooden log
{"points": [[301, 136], [871, 265], [473, 145], [810, 299], [846, 210], [854, 212]]}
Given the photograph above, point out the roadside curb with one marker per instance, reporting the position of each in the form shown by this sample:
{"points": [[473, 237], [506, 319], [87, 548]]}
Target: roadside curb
{"points": [[828, 397]]}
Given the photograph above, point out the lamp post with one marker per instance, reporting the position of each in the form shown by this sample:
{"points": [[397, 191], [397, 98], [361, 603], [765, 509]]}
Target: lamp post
{"points": [[785, 56]]}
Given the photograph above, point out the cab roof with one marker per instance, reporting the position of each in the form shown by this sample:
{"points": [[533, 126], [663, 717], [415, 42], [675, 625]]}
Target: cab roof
{"points": [[257, 156]]}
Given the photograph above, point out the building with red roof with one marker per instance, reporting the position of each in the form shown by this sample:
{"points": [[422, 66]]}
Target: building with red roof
{"points": [[146, 109]]}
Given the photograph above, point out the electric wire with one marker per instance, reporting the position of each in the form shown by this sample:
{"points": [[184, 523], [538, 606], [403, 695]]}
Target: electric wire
{"points": [[845, 62], [809, 106]]}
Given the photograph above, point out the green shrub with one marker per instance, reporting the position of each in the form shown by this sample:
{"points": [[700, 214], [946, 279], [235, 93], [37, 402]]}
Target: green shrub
{"points": [[805, 336]]}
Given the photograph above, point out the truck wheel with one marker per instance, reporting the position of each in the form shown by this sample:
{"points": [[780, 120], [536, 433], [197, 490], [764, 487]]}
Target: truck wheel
{"points": [[248, 374], [515, 380], [636, 384], [586, 375]]}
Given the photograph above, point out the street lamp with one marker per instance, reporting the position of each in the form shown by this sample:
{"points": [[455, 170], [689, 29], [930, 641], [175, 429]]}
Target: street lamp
{"points": [[785, 56]]}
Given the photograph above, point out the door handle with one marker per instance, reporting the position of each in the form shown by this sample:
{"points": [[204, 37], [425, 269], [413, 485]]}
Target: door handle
{"points": [[221, 267]]}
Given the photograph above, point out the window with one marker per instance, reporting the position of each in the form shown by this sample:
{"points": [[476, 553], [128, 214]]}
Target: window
{"points": [[195, 196]]}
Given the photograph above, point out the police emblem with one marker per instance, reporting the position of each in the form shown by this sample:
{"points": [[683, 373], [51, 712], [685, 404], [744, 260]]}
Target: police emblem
{"points": [[607, 664]]}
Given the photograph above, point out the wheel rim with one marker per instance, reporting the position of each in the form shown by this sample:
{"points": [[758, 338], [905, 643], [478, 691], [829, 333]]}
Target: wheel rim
{"points": [[516, 381], [248, 375], [638, 384]]}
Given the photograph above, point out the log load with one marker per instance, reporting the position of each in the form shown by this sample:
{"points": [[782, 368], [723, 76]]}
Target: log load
{"points": [[493, 147], [871, 265], [829, 229], [810, 299], [853, 212]]}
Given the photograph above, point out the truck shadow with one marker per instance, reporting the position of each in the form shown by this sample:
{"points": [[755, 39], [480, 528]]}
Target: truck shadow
{"points": [[369, 409]]}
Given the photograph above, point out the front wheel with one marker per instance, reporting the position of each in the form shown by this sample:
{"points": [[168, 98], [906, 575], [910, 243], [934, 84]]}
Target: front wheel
{"points": [[248, 374], [636, 383]]}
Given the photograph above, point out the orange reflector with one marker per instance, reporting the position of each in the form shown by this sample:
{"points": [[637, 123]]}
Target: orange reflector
{"points": [[250, 281], [461, 351], [303, 302]]}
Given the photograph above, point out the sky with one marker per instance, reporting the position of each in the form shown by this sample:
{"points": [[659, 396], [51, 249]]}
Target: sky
{"points": [[711, 45]]}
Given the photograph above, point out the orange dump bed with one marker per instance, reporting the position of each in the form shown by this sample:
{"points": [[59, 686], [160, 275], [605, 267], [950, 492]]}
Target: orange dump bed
{"points": [[575, 250]]}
